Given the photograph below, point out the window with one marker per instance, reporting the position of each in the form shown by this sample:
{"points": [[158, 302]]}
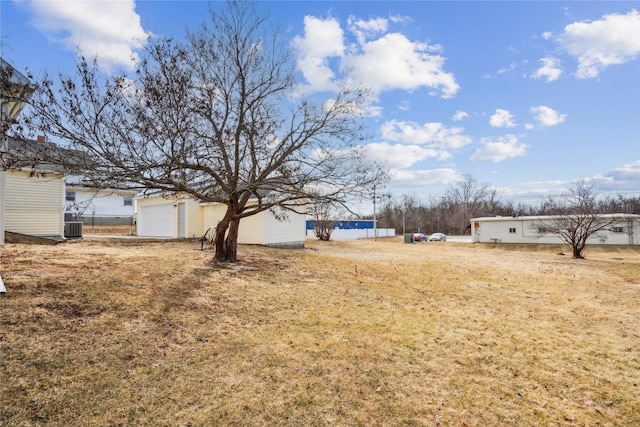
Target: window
{"points": [[618, 229], [70, 196], [512, 230], [128, 201]]}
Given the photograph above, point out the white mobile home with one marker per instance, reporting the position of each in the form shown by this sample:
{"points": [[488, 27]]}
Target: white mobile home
{"points": [[183, 217], [520, 229]]}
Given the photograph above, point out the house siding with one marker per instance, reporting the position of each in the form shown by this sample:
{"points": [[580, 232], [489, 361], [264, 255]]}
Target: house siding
{"points": [[251, 228], [259, 229], [33, 205], [2, 205], [104, 202], [287, 232], [211, 216], [194, 216], [262, 228]]}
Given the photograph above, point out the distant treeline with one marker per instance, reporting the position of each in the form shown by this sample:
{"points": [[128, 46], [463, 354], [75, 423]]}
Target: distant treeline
{"points": [[451, 213]]}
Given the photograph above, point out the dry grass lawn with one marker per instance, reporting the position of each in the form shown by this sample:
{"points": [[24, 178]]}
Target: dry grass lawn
{"points": [[124, 332]]}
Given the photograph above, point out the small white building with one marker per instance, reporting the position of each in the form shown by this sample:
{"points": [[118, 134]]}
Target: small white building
{"points": [[183, 217], [520, 229]]}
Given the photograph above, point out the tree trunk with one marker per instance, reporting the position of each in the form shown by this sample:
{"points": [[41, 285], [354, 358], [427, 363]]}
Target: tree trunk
{"points": [[577, 250], [221, 236], [580, 245], [220, 241], [232, 241]]}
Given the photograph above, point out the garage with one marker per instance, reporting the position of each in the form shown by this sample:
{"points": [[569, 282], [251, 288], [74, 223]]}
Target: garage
{"points": [[179, 216], [156, 220]]}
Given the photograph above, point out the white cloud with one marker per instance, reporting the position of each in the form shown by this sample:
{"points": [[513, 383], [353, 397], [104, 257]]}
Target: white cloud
{"points": [[551, 69], [625, 178], [459, 115], [500, 149], [399, 156], [395, 62], [547, 35], [364, 30], [419, 178], [108, 30], [388, 62], [400, 19], [508, 69], [615, 181], [501, 119], [323, 39], [547, 116], [614, 39], [432, 134], [404, 105]]}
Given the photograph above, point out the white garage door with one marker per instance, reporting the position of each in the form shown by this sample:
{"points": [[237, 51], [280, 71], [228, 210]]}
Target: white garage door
{"points": [[156, 220]]}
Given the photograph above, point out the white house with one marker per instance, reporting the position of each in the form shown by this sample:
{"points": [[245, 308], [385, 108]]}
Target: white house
{"points": [[33, 203], [520, 229], [98, 206], [31, 199], [183, 217]]}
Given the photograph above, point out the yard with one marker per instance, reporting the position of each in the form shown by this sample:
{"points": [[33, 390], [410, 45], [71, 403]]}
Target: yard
{"points": [[128, 332]]}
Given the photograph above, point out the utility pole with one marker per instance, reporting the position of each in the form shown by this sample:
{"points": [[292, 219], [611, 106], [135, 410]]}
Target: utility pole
{"points": [[375, 226], [404, 228]]}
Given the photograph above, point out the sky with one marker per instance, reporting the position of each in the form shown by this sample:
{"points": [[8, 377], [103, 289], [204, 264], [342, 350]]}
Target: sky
{"points": [[526, 97]]}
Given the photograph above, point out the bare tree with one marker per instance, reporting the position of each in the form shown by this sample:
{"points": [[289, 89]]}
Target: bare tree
{"points": [[575, 217], [325, 215], [215, 118], [466, 200]]}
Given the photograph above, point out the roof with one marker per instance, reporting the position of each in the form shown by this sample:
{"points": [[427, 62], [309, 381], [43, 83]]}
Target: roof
{"points": [[119, 191], [40, 156], [16, 88], [16, 77]]}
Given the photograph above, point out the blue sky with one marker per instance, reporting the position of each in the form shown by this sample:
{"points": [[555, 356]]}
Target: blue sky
{"points": [[528, 97]]}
